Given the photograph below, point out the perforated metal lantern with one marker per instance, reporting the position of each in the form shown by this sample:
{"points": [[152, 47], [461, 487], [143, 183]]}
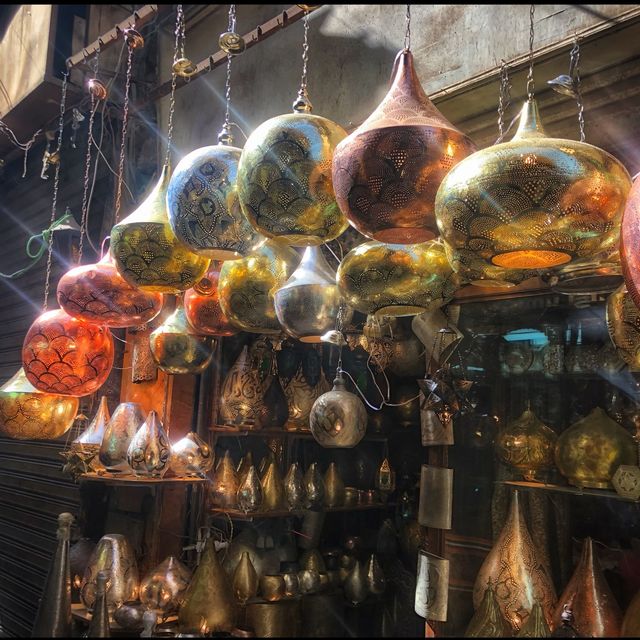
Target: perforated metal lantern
{"points": [[623, 323], [146, 251], [98, 293], [203, 206], [630, 241], [284, 179], [396, 279], [387, 172], [66, 355], [534, 202]]}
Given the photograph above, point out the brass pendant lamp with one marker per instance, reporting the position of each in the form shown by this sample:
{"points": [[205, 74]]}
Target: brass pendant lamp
{"points": [[284, 173], [623, 323], [535, 202], [629, 243]]}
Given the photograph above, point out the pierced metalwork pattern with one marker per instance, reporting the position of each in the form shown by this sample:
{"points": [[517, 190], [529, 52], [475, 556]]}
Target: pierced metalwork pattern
{"points": [[204, 210], [65, 355], [630, 241], [284, 179], [623, 323]]}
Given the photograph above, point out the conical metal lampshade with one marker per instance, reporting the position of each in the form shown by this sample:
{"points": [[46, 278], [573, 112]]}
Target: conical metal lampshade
{"points": [[91, 437], [284, 179], [29, 414], [308, 303], [534, 202], [176, 348], [203, 206], [623, 323], [387, 172], [98, 293], [224, 486], [246, 287], [488, 621], [191, 456], [121, 428], [164, 587], [149, 451], [66, 355], [147, 253], [396, 279]]}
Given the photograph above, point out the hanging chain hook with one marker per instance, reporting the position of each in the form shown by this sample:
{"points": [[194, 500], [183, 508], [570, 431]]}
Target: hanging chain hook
{"points": [[504, 99], [530, 83], [225, 137], [574, 72], [407, 33], [178, 49], [302, 104]]}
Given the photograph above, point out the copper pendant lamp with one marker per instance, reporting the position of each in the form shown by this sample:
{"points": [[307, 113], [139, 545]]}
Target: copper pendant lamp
{"points": [[146, 251], [387, 172], [396, 279], [630, 241], [535, 202]]}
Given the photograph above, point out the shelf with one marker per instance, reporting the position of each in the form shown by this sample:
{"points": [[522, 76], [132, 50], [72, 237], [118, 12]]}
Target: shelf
{"points": [[236, 514], [557, 488], [80, 612], [109, 478], [279, 433]]}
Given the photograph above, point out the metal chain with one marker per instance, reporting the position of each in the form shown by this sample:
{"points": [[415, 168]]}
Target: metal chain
{"points": [[125, 122], [505, 98], [305, 55], [575, 75], [24, 146], [178, 52], [87, 161], [231, 27], [56, 184], [530, 84], [407, 33]]}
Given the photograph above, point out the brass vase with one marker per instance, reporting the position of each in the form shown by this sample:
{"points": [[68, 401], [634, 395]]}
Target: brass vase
{"points": [[355, 586], [589, 452], [245, 580], [224, 485], [623, 323], [175, 346], [149, 451], [146, 251], [53, 619], [527, 445], [250, 491], [164, 587], [595, 610], [519, 573], [387, 172], [273, 494], [112, 553], [294, 488], [124, 423], [208, 605], [314, 486], [333, 487], [488, 621], [242, 392], [300, 398], [246, 287], [99, 625], [191, 456], [528, 203]]}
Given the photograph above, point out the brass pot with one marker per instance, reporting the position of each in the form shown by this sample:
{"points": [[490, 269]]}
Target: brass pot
{"points": [[122, 427], [589, 452], [164, 587]]}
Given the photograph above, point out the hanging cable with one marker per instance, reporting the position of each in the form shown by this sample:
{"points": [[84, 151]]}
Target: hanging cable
{"points": [[530, 83], [574, 72]]}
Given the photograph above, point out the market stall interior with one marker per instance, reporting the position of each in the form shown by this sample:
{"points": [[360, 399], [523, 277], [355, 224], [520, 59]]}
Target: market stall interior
{"points": [[359, 362]]}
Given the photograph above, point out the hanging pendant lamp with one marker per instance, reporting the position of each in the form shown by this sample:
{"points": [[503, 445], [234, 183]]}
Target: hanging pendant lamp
{"points": [[66, 355], [309, 301], [623, 323], [246, 287], [629, 243], [29, 414], [535, 202], [396, 279], [202, 305], [387, 172], [147, 253], [98, 293]]}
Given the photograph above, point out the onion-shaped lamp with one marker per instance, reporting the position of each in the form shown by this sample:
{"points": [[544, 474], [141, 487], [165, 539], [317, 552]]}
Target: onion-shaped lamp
{"points": [[387, 172], [65, 355], [246, 287], [202, 305], [396, 279], [203, 205], [176, 348], [284, 178], [98, 293], [309, 301], [630, 241], [29, 414], [623, 323], [147, 253], [534, 202]]}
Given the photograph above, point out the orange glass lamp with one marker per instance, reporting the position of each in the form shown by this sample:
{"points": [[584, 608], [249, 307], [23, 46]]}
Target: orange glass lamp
{"points": [[535, 202], [98, 293], [66, 355]]}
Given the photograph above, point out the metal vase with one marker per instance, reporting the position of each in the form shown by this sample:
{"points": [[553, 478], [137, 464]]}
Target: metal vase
{"points": [[250, 492], [294, 487], [163, 588], [224, 486], [53, 619], [333, 487], [99, 625], [314, 486], [149, 451], [125, 422], [112, 553]]}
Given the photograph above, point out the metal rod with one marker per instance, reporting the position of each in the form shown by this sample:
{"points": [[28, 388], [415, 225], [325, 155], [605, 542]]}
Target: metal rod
{"points": [[257, 35]]}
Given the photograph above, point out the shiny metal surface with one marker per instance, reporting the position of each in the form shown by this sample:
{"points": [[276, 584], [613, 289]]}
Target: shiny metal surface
{"points": [[294, 487], [273, 492], [333, 487], [623, 323], [488, 621], [163, 588], [245, 580], [272, 587], [629, 242], [355, 585], [314, 486], [127, 418], [149, 451], [250, 491], [300, 399], [435, 507], [223, 490], [91, 437], [432, 586], [191, 456]]}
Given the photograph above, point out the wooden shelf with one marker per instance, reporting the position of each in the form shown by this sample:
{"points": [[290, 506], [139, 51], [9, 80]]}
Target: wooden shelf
{"points": [[110, 478], [279, 433], [236, 514], [558, 488]]}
